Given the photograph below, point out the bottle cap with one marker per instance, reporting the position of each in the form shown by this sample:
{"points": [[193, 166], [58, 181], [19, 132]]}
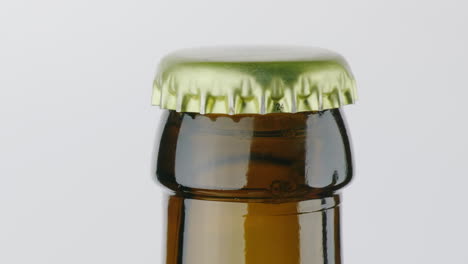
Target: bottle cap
{"points": [[253, 80]]}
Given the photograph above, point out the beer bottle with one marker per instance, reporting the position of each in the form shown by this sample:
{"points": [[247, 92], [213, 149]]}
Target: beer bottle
{"points": [[253, 150]]}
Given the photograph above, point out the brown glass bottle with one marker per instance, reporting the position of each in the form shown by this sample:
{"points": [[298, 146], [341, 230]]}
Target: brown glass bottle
{"points": [[253, 188]]}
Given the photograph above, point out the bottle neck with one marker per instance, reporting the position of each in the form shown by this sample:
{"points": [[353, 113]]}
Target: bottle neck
{"points": [[253, 189], [208, 231]]}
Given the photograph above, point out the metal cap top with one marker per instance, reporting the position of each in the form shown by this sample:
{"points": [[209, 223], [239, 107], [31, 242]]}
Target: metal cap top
{"points": [[258, 80]]}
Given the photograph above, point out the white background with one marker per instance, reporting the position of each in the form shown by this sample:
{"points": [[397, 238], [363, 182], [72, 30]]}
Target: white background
{"points": [[77, 129]]}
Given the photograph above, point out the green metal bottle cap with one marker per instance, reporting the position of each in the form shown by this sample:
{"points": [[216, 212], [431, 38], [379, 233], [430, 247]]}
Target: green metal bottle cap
{"points": [[258, 80]]}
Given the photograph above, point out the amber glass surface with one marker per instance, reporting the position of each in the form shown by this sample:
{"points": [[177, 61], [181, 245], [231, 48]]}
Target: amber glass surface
{"points": [[253, 188]]}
